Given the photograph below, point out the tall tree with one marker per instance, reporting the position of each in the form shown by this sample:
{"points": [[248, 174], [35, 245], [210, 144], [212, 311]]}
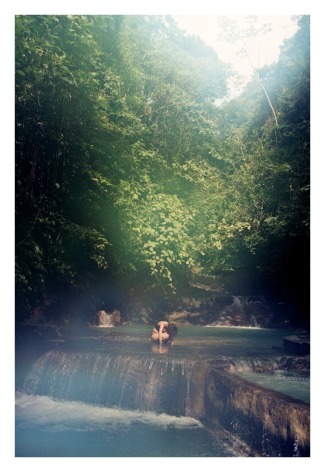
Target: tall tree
{"points": [[129, 175]]}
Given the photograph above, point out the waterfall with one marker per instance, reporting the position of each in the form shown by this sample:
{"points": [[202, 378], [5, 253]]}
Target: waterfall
{"points": [[245, 310], [160, 384], [254, 365], [253, 321]]}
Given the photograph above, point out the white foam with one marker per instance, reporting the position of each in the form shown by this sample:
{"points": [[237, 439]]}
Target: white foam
{"points": [[234, 327], [63, 415]]}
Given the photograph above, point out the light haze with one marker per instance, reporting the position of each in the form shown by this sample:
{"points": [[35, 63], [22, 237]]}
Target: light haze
{"points": [[262, 49]]}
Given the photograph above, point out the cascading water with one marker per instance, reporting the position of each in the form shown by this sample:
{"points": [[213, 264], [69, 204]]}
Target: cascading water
{"points": [[244, 311], [109, 393], [155, 384], [77, 403]]}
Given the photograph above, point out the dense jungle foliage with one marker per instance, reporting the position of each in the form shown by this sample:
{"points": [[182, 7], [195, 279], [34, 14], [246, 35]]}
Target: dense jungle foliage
{"points": [[130, 180]]}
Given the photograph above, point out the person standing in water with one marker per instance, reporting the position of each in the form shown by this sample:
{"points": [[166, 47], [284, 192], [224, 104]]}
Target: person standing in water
{"points": [[164, 332]]}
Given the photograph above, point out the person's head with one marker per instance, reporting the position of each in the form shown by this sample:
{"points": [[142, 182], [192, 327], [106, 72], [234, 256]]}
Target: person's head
{"points": [[172, 330]]}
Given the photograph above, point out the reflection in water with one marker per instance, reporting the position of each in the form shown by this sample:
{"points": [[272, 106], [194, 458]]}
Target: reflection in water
{"points": [[192, 341], [164, 349]]}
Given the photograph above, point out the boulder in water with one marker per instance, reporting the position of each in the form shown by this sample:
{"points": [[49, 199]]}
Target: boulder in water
{"points": [[108, 319]]}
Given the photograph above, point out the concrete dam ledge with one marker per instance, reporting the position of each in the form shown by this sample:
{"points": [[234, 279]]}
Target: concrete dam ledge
{"points": [[271, 424], [257, 421]]}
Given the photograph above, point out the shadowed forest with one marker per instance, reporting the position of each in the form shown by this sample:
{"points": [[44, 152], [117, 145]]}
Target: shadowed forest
{"points": [[131, 183]]}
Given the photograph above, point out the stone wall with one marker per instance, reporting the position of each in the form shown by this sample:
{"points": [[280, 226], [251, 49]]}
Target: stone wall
{"points": [[270, 423]]}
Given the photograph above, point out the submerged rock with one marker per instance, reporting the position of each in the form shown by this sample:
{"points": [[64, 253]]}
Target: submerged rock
{"points": [[297, 344], [295, 364]]}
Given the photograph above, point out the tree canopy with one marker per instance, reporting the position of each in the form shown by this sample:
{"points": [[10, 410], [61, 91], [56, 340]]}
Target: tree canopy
{"points": [[130, 178]]}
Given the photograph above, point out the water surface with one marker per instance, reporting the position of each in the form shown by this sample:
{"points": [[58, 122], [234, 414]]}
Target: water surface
{"points": [[52, 428]]}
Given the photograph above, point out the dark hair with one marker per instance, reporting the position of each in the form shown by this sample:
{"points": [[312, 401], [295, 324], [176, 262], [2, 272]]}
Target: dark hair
{"points": [[172, 330]]}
